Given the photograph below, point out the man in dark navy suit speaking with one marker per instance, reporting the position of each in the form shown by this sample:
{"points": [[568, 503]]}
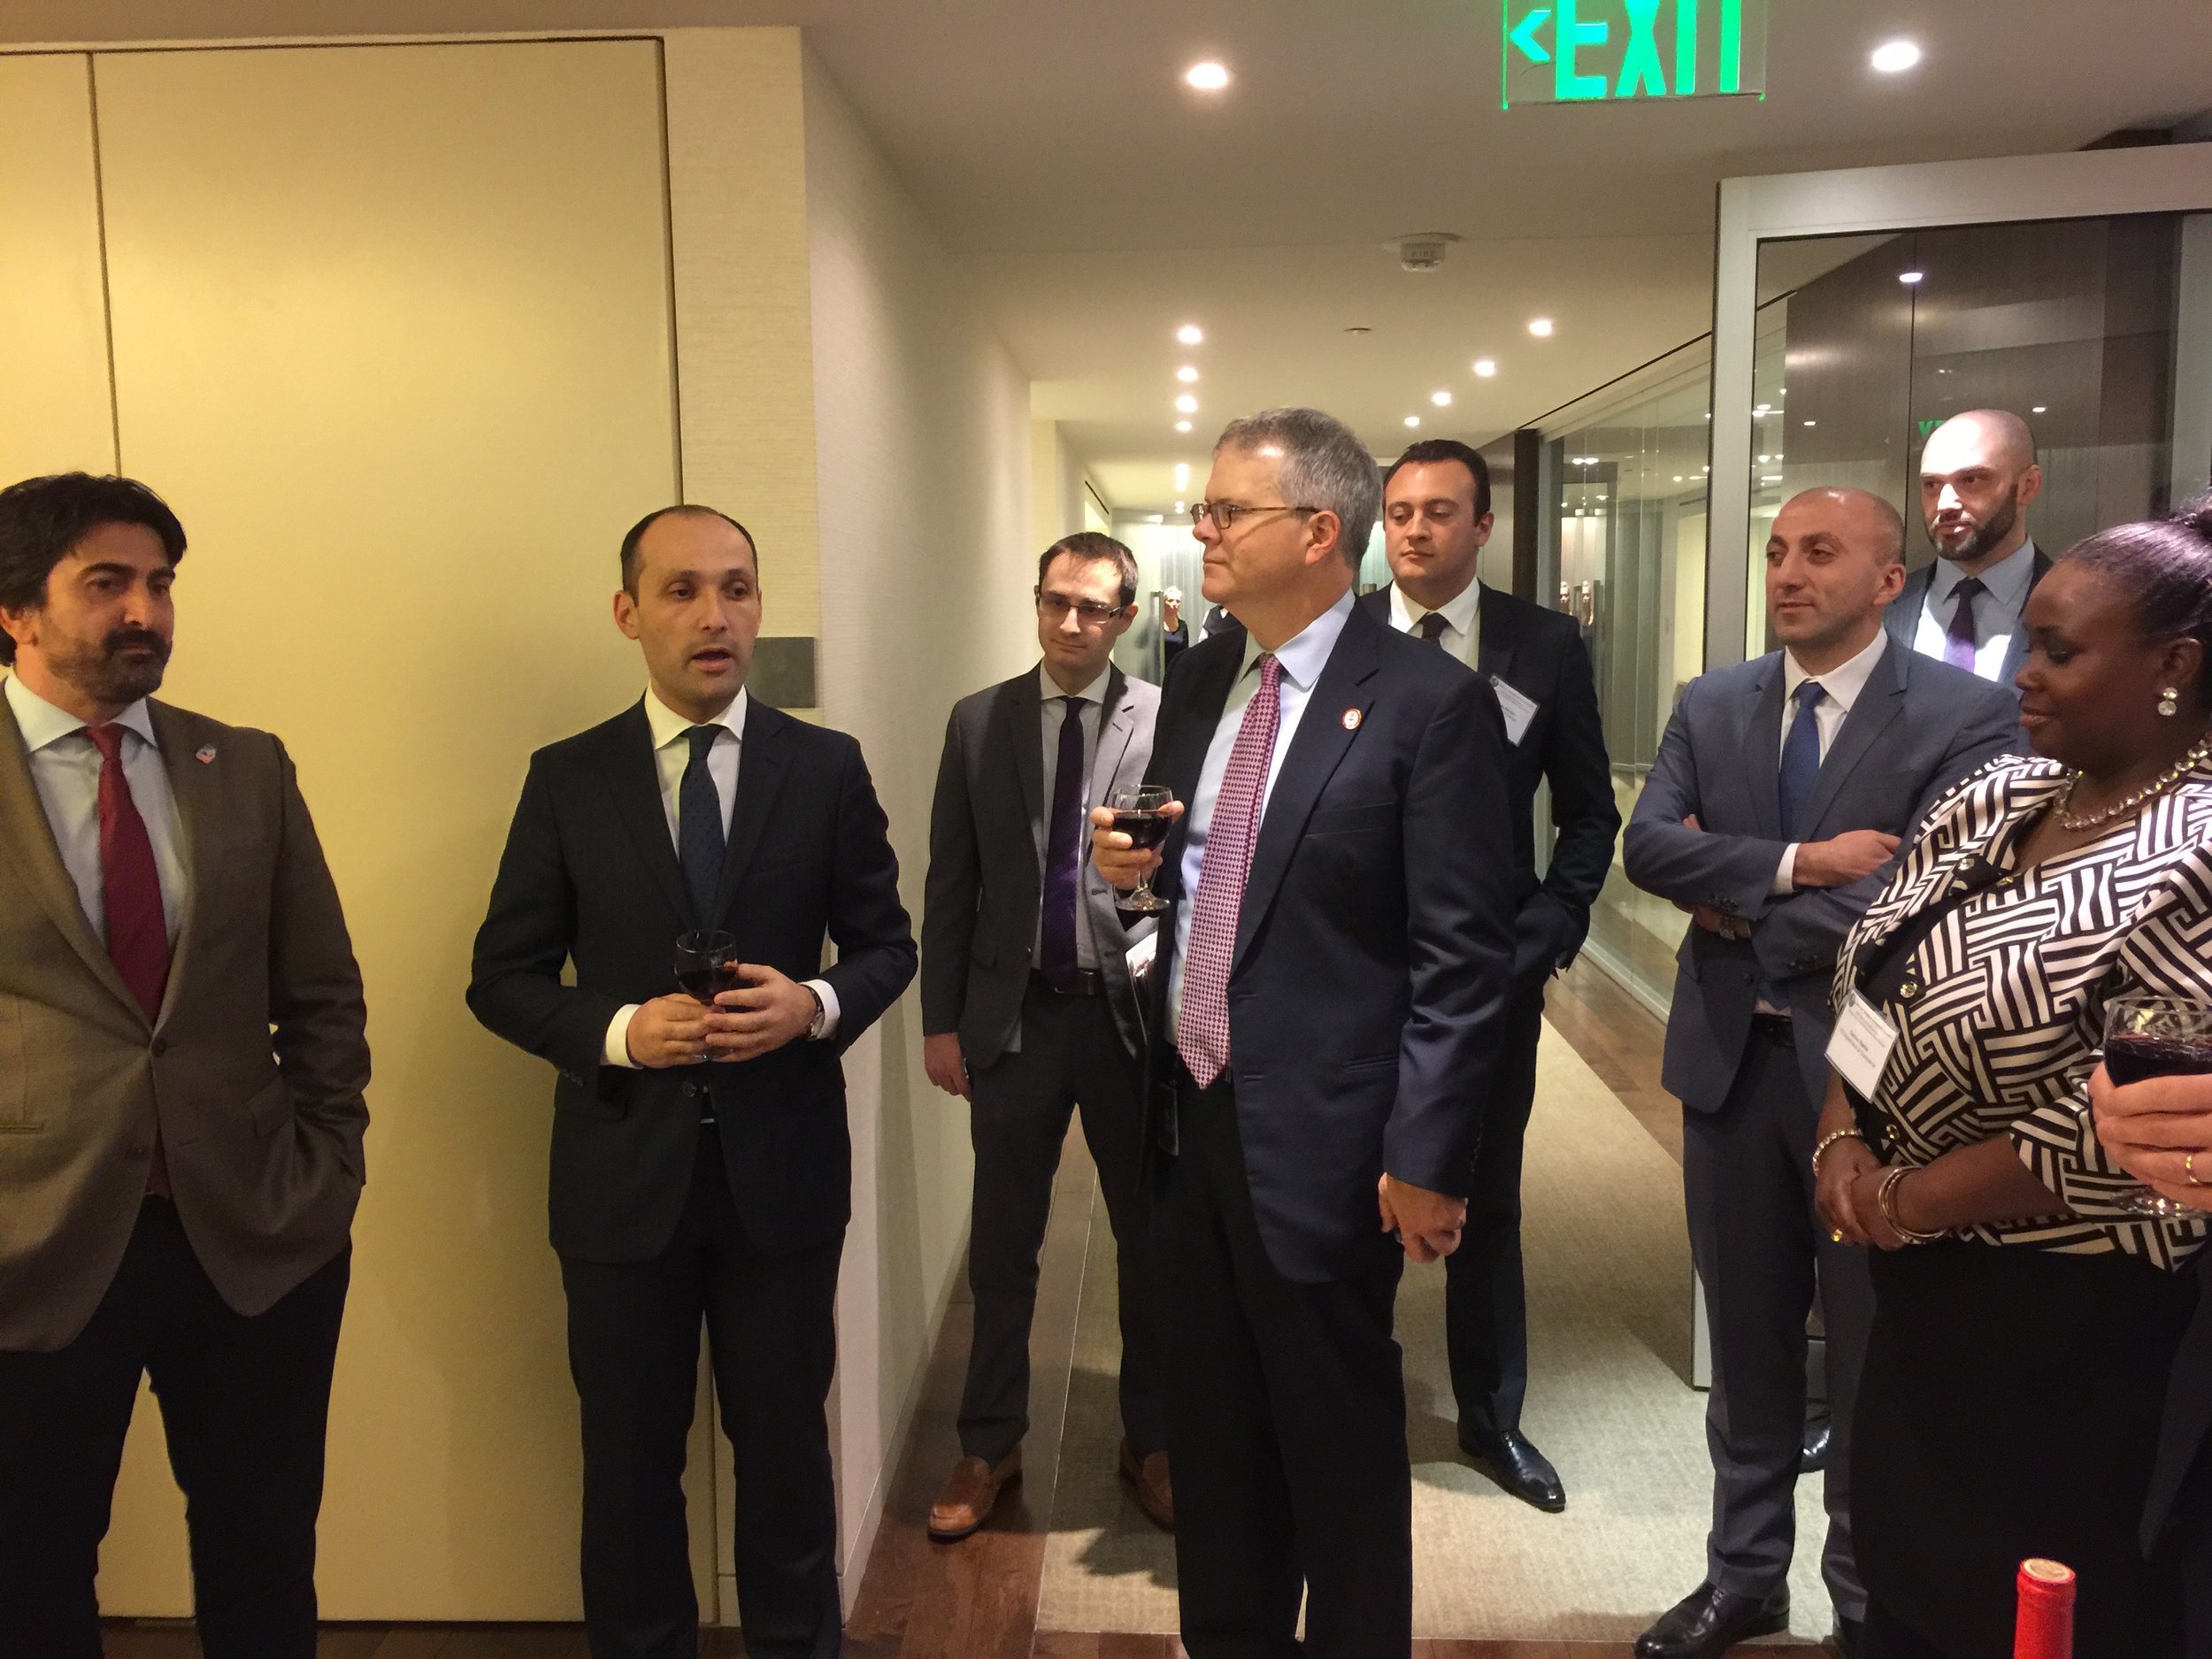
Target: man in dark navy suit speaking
{"points": [[1331, 988]]}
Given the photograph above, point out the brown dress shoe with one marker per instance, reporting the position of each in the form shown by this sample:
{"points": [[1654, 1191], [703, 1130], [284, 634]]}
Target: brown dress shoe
{"points": [[969, 1494], [1149, 1484]]}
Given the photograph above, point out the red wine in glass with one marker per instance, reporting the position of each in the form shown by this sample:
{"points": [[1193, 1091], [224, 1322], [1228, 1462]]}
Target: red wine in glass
{"points": [[2156, 1036], [706, 964], [1142, 815]]}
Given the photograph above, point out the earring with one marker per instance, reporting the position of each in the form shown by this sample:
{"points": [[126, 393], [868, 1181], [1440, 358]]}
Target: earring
{"points": [[2169, 702]]}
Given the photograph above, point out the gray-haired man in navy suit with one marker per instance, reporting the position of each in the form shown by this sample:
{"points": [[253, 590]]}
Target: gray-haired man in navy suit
{"points": [[1772, 815]]}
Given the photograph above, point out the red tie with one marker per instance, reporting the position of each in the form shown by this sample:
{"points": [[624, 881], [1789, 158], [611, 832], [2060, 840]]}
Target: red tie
{"points": [[138, 929]]}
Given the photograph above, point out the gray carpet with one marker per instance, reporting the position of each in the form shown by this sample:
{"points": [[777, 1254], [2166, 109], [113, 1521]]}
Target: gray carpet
{"points": [[1610, 1404]]}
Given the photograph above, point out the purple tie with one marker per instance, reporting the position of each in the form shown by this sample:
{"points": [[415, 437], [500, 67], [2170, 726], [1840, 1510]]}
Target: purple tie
{"points": [[1201, 1031], [1959, 641], [130, 887], [1063, 844]]}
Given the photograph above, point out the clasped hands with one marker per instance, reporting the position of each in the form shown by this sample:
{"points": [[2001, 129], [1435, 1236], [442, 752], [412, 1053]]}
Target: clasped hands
{"points": [[1427, 1224], [762, 1014], [1835, 862], [1848, 1195]]}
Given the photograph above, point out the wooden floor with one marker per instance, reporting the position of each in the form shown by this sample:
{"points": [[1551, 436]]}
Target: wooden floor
{"points": [[978, 1599]]}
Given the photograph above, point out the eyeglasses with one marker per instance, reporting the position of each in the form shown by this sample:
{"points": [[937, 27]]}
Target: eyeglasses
{"points": [[1056, 606], [1225, 513]]}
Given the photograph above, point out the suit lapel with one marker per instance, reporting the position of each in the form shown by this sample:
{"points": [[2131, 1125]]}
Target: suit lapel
{"points": [[637, 801], [23, 822], [198, 788], [1878, 705], [1118, 724], [1902, 617], [1016, 721], [760, 769], [1762, 748], [1181, 741], [1316, 749], [1494, 643]]}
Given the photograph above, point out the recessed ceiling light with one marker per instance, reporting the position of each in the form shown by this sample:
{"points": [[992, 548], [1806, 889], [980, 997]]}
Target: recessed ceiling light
{"points": [[1206, 77], [1485, 367], [1812, 423], [1910, 279], [1187, 374], [2040, 409], [1359, 328], [1678, 478], [1540, 326], [1182, 426], [1191, 334], [1893, 57], [1413, 420], [1442, 400], [1182, 474], [1182, 506], [1187, 403]]}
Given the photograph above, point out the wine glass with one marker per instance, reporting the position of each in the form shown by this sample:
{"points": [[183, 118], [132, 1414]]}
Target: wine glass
{"points": [[2156, 1036], [1142, 815], [706, 964]]}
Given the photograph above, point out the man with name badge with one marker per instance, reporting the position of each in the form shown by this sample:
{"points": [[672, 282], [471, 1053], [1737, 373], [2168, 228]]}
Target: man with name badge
{"points": [[1436, 521], [1772, 815]]}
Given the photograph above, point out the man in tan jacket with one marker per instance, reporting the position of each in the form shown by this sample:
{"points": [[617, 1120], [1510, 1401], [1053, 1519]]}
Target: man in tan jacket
{"points": [[182, 1058]]}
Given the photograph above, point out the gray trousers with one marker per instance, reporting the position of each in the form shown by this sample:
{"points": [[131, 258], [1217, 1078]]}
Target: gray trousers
{"points": [[1072, 1057], [1762, 1256]]}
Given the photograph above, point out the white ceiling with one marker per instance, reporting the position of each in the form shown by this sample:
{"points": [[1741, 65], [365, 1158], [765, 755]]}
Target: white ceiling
{"points": [[1099, 203]]}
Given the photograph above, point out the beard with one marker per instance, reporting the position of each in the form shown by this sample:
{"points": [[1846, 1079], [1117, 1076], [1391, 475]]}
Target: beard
{"points": [[103, 672], [1987, 535]]}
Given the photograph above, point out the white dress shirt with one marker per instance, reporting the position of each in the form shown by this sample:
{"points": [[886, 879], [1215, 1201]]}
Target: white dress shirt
{"points": [[1996, 609], [1051, 714], [671, 756], [1843, 684], [65, 769], [1302, 659], [1463, 634]]}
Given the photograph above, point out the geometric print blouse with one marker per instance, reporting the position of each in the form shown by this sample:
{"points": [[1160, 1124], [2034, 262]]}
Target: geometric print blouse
{"points": [[2000, 1009]]}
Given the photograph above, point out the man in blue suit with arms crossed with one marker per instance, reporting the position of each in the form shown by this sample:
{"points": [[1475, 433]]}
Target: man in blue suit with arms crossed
{"points": [[1772, 815]]}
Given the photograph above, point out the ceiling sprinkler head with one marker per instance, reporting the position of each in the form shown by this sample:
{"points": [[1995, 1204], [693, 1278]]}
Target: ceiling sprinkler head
{"points": [[1426, 251]]}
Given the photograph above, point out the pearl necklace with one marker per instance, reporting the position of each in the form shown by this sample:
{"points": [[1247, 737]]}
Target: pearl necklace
{"points": [[2157, 786]]}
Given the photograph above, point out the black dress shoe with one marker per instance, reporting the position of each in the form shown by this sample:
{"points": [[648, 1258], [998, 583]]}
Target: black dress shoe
{"points": [[1708, 1622], [1814, 1457], [1507, 1458]]}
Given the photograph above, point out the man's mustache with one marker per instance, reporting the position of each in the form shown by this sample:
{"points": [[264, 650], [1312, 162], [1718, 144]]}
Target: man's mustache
{"points": [[134, 639]]}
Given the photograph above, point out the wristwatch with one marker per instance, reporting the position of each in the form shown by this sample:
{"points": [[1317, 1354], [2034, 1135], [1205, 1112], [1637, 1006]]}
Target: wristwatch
{"points": [[818, 1026]]}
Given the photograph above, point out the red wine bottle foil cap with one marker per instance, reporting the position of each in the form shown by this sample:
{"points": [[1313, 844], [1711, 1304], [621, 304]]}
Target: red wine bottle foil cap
{"points": [[2046, 1575], [2044, 1627]]}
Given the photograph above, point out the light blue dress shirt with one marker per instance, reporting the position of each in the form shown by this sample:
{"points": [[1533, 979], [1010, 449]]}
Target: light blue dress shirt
{"points": [[1302, 659], [65, 769], [1996, 609]]}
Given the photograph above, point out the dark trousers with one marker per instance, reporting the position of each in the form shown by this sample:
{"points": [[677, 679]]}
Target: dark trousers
{"points": [[1072, 1056], [1286, 1424], [1762, 1256], [245, 1403], [633, 1351], [1485, 1303]]}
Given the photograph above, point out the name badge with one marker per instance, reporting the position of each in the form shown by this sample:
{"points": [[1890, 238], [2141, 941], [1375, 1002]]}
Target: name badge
{"points": [[1518, 710], [1861, 1047]]}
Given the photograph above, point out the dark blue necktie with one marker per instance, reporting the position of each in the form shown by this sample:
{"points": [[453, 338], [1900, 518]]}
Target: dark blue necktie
{"points": [[1063, 853], [700, 839], [1800, 761]]}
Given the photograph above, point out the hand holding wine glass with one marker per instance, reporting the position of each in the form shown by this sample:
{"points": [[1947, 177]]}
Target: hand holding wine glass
{"points": [[1125, 841], [2152, 1100], [671, 1031]]}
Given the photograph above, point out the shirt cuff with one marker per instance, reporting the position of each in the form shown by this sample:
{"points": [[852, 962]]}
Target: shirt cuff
{"points": [[1784, 872], [823, 990], [618, 1045]]}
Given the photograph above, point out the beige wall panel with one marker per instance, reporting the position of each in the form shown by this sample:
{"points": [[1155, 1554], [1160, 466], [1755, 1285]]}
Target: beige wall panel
{"points": [[738, 212], [392, 334], [55, 412], [922, 421]]}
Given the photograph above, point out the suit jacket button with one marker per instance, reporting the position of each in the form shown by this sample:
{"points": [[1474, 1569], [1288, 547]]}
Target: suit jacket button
{"points": [[1908, 991], [140, 1154], [161, 1047]]}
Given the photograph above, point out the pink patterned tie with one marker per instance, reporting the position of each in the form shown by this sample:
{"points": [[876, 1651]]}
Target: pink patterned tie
{"points": [[1201, 1031]]}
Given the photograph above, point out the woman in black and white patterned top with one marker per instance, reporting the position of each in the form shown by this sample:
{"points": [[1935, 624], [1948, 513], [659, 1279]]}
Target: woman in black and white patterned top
{"points": [[2025, 1319]]}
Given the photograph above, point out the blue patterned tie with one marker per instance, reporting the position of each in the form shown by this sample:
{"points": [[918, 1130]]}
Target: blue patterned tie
{"points": [[1800, 761], [1063, 853], [700, 838]]}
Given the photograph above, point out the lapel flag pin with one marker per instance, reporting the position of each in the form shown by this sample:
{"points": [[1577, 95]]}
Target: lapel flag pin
{"points": [[204, 753], [1352, 718]]}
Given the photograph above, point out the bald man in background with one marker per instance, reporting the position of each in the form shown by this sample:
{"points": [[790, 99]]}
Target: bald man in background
{"points": [[1772, 815], [1978, 479]]}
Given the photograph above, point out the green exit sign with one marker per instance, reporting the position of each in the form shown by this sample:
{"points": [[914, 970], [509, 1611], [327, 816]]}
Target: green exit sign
{"points": [[1591, 51]]}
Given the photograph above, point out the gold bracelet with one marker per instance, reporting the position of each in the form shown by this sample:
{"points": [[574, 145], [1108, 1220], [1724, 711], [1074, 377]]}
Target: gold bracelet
{"points": [[1829, 1141], [1886, 1200]]}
